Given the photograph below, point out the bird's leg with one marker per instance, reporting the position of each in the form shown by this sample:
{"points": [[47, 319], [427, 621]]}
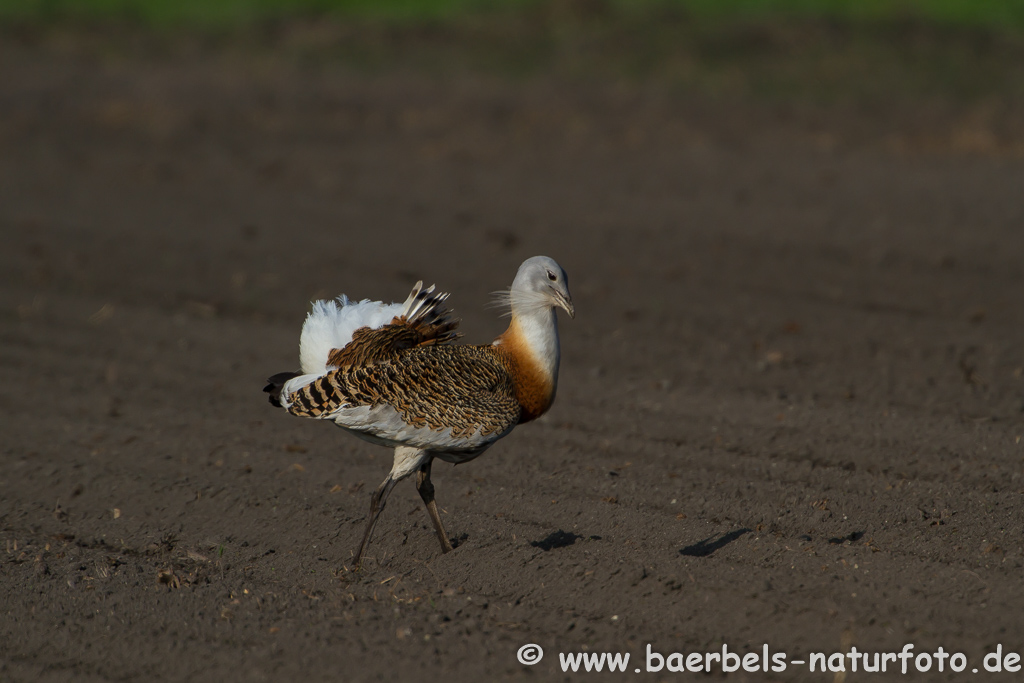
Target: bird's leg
{"points": [[407, 461], [377, 502], [426, 490]]}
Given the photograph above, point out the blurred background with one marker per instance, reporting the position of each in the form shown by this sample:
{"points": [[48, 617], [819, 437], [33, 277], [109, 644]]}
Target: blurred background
{"points": [[165, 119]]}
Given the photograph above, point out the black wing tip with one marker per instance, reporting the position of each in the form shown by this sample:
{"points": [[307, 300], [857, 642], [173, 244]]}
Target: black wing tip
{"points": [[275, 384]]}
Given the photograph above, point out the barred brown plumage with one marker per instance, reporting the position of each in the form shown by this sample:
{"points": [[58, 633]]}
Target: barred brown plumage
{"points": [[388, 374], [461, 388]]}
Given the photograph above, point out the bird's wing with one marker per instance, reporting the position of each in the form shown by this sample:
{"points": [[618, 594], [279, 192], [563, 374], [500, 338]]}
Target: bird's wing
{"points": [[460, 392], [424, 321]]}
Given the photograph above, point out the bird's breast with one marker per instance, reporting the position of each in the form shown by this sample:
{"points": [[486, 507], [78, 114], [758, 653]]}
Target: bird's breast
{"points": [[533, 382]]}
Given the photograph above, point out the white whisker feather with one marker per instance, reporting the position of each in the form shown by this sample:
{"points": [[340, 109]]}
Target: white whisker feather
{"points": [[524, 302]]}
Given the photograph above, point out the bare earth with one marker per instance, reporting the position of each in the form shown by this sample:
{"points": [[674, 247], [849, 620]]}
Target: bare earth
{"points": [[789, 413]]}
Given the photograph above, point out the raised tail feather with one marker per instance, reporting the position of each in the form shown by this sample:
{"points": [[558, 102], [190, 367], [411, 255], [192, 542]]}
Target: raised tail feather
{"points": [[424, 320], [425, 311]]}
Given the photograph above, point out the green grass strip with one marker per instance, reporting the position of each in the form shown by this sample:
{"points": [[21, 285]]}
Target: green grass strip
{"points": [[1006, 14]]}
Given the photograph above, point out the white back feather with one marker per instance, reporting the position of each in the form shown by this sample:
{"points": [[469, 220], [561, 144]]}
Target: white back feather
{"points": [[330, 326]]}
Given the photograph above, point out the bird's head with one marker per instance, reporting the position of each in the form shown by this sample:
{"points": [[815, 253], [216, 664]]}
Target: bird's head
{"points": [[541, 283]]}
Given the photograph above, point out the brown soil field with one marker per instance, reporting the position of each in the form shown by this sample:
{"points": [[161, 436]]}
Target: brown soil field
{"points": [[789, 411]]}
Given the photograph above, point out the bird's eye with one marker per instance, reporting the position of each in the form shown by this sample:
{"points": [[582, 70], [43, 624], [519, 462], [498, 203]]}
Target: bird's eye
{"points": [[551, 276]]}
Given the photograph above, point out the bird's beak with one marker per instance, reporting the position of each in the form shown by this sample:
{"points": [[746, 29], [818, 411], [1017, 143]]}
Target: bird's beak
{"points": [[565, 303]]}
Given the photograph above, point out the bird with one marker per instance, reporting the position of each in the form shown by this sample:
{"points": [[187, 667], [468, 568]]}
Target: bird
{"points": [[390, 374]]}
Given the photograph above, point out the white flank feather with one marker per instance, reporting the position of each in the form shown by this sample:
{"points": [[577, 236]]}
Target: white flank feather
{"points": [[383, 425], [330, 326]]}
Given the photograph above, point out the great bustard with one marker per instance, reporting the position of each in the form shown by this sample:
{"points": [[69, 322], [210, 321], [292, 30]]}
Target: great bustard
{"points": [[388, 374]]}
